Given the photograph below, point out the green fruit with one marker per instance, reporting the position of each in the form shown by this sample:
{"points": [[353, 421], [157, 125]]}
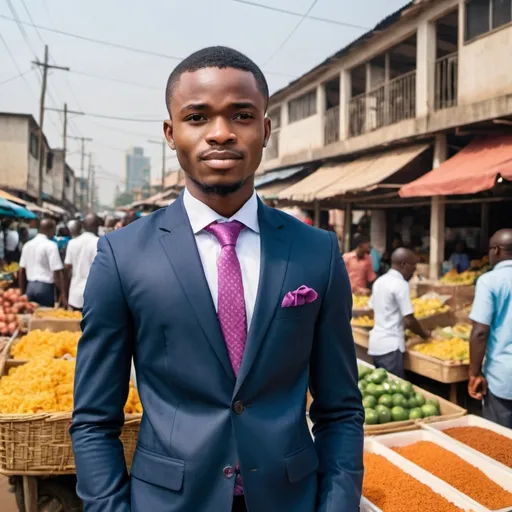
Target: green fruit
{"points": [[399, 400], [434, 402], [412, 403], [363, 371], [362, 385], [386, 400], [416, 413], [384, 416], [429, 410], [369, 402], [387, 386], [406, 389], [379, 391], [370, 417], [420, 399], [395, 387], [381, 407], [378, 376], [399, 414], [370, 389]]}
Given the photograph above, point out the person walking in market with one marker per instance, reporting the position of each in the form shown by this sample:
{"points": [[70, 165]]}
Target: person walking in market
{"points": [[393, 313], [233, 308], [80, 255], [41, 268], [360, 266], [490, 344]]}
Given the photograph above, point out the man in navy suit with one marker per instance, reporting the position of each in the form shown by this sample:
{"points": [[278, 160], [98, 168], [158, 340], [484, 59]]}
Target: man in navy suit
{"points": [[231, 311]]}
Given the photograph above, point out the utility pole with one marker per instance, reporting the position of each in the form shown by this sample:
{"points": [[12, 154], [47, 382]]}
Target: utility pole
{"points": [[164, 145], [89, 180], [65, 111], [82, 170], [45, 67]]}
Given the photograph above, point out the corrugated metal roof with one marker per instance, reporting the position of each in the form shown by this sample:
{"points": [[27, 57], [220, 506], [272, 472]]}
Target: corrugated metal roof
{"points": [[279, 175]]}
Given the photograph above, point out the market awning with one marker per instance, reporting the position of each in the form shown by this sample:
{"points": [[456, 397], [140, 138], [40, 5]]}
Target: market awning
{"points": [[280, 175], [9, 209], [56, 210], [363, 174], [271, 190], [473, 169]]}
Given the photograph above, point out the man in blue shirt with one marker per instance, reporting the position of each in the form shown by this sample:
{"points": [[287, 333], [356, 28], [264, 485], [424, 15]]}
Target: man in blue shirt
{"points": [[491, 337]]}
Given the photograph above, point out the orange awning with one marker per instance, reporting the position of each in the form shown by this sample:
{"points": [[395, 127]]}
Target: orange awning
{"points": [[474, 169]]}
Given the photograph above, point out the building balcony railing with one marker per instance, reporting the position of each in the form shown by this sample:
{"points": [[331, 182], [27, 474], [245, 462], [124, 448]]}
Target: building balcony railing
{"points": [[272, 150], [387, 104], [332, 125], [446, 81]]}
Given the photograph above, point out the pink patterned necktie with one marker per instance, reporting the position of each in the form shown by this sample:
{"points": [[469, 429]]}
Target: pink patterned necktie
{"points": [[231, 303]]}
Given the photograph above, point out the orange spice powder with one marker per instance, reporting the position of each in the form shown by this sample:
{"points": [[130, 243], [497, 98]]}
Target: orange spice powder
{"points": [[459, 474], [393, 490], [486, 441]]}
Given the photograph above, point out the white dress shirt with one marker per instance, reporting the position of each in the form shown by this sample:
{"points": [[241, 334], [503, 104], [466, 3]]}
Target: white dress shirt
{"points": [[12, 239], [80, 254], [40, 258], [391, 302], [247, 247]]}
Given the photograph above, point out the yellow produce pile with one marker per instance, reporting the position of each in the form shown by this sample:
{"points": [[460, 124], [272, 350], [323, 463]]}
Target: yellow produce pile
{"points": [[464, 278], [39, 343], [453, 349], [424, 308], [58, 313], [46, 385], [360, 301], [459, 330], [362, 321], [11, 268]]}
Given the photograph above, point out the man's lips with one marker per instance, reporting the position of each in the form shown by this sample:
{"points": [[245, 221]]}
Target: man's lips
{"points": [[221, 159]]}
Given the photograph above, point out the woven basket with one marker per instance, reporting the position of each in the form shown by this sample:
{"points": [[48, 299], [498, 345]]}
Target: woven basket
{"points": [[40, 444]]}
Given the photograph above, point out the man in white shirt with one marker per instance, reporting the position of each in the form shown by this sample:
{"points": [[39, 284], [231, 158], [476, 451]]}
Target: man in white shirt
{"points": [[12, 241], [393, 312], [41, 267], [80, 255]]}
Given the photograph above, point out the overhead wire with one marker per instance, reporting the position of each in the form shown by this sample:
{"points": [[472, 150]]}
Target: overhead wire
{"points": [[20, 75], [15, 62]]}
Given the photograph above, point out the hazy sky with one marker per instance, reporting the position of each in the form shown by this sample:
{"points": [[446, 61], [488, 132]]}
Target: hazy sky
{"points": [[172, 28]]}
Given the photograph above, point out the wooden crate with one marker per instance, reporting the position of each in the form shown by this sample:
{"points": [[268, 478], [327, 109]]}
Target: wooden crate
{"points": [[53, 324], [445, 319], [461, 296], [440, 371], [361, 336]]}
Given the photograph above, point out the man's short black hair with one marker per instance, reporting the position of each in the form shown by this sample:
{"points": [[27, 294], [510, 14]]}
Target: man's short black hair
{"points": [[361, 239], [216, 57]]}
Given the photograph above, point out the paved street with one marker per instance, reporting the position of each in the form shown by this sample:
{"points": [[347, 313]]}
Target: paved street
{"points": [[7, 502]]}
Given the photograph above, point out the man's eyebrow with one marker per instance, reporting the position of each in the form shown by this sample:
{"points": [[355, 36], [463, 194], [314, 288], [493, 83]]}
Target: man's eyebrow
{"points": [[243, 104], [195, 106]]}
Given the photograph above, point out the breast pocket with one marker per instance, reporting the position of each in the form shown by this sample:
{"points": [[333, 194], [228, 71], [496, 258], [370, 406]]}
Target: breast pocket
{"points": [[304, 312]]}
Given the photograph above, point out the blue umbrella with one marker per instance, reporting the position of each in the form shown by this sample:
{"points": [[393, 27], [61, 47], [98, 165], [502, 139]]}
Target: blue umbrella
{"points": [[9, 209]]}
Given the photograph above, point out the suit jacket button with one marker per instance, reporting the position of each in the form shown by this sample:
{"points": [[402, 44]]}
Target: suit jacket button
{"points": [[238, 407], [229, 472]]}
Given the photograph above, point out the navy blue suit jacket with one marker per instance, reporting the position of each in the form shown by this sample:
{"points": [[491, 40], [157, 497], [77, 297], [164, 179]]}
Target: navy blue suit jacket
{"points": [[147, 297]]}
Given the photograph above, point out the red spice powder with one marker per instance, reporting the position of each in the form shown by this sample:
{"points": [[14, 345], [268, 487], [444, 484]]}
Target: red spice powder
{"points": [[486, 441], [393, 490], [459, 474]]}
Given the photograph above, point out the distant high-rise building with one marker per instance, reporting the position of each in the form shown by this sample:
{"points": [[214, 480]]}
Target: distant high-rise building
{"points": [[138, 169]]}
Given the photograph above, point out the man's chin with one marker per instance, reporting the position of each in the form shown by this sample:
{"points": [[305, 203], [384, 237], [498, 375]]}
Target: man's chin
{"points": [[219, 189]]}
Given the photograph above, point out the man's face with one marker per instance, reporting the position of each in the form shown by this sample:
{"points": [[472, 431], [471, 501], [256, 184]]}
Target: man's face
{"points": [[410, 267], [364, 249], [218, 128]]}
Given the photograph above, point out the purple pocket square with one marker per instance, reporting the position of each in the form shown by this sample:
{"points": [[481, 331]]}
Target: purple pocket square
{"points": [[299, 297]]}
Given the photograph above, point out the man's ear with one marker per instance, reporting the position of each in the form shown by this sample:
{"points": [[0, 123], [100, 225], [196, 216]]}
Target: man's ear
{"points": [[268, 130], [168, 133]]}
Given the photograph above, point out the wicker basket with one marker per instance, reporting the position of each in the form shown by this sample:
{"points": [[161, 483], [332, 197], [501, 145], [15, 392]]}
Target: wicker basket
{"points": [[40, 444]]}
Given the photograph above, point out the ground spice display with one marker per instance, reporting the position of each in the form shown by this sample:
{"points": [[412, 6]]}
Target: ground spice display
{"points": [[485, 441], [393, 490], [459, 474]]}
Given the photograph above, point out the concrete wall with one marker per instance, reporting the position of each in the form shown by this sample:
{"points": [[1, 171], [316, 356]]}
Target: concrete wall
{"points": [[14, 139], [301, 135], [484, 67], [57, 175]]}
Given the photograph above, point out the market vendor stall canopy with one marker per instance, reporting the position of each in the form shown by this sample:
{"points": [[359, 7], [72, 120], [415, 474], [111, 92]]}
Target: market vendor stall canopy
{"points": [[474, 169], [270, 184], [363, 174], [8, 209]]}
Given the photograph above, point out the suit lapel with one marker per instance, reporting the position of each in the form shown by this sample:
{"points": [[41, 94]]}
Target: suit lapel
{"points": [[179, 245], [275, 248]]}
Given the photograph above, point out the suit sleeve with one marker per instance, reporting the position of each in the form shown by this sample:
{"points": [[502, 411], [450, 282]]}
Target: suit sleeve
{"points": [[337, 412], [101, 389]]}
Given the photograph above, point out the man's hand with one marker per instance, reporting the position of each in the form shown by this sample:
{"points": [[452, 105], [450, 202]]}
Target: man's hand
{"points": [[477, 387], [63, 301]]}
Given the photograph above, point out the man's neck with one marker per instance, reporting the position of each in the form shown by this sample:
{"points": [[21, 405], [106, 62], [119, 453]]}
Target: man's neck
{"points": [[226, 206]]}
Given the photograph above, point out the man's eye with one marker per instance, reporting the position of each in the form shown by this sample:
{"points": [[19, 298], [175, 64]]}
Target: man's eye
{"points": [[195, 118], [244, 116]]}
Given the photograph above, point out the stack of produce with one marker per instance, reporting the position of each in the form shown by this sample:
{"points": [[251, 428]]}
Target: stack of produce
{"points": [[360, 301], [466, 278], [39, 343], [386, 400], [13, 303], [61, 314], [11, 268], [485, 441], [425, 307], [458, 473], [362, 321], [459, 330], [392, 490], [46, 385]]}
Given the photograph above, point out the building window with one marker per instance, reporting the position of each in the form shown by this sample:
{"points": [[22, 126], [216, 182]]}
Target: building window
{"points": [[34, 146], [275, 116], [49, 161], [482, 16], [302, 107]]}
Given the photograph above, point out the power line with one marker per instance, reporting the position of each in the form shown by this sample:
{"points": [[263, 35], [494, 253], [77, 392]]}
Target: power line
{"points": [[20, 75], [117, 45], [292, 13], [32, 21], [20, 24], [121, 130], [15, 62], [295, 28], [117, 80]]}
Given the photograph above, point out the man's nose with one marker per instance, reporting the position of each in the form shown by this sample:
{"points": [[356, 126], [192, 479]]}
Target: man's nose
{"points": [[220, 132]]}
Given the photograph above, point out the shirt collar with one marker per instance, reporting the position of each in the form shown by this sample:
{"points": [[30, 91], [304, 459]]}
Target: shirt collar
{"points": [[502, 264], [201, 215], [395, 273]]}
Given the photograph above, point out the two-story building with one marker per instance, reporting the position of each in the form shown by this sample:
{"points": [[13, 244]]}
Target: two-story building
{"points": [[19, 162], [391, 106]]}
